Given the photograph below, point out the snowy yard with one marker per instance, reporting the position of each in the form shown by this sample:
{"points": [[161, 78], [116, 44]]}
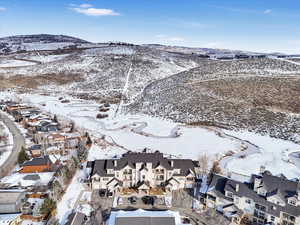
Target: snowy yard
{"points": [[69, 199], [27, 179]]}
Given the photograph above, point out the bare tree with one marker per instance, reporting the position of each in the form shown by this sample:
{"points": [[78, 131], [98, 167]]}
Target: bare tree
{"points": [[203, 164]]}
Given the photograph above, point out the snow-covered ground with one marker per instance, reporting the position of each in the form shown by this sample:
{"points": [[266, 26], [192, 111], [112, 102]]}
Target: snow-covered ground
{"points": [[7, 145], [68, 201], [136, 132], [25, 180], [274, 155], [14, 63], [122, 132], [46, 58]]}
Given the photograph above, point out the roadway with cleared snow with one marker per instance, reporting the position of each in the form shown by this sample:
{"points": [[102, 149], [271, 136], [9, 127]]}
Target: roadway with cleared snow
{"points": [[19, 141]]}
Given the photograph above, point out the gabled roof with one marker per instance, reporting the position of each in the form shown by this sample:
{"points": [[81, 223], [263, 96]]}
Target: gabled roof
{"points": [[285, 187], [132, 158], [38, 161]]}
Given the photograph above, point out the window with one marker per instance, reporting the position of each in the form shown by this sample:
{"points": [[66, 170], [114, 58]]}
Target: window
{"points": [[229, 194], [143, 177], [236, 200], [272, 218], [160, 177], [288, 219], [260, 207], [248, 201], [292, 202]]}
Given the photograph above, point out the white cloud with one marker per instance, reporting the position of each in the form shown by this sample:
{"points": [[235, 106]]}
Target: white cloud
{"points": [[2, 9], [268, 11], [85, 5], [89, 10]]}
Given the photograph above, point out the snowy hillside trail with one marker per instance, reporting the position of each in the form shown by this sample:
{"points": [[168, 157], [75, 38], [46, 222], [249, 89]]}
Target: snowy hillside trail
{"points": [[28, 60], [125, 89], [289, 61]]}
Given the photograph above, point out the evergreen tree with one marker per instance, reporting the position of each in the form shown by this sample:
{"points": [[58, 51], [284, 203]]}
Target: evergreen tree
{"points": [[55, 119], [48, 206], [22, 157]]}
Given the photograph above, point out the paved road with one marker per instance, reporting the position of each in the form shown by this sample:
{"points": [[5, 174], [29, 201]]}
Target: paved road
{"points": [[19, 141]]}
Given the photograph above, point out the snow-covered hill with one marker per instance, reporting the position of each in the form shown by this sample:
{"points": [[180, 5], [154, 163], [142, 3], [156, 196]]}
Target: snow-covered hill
{"points": [[258, 94], [37, 42]]}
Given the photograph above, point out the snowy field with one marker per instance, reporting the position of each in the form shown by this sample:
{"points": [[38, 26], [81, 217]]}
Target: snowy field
{"points": [[46, 58], [14, 63], [135, 132], [6, 146], [274, 156]]}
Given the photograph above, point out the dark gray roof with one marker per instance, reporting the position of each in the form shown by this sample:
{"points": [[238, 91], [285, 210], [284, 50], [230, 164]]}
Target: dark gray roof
{"points": [[77, 218], [35, 147], [131, 158], [274, 185], [145, 221], [38, 161]]}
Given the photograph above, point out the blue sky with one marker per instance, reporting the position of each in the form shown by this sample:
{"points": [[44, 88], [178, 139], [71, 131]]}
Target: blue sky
{"points": [[255, 25]]}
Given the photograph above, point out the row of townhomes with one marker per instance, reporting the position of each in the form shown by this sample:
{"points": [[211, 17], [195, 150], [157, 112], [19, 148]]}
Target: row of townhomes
{"points": [[263, 199], [143, 171], [53, 150]]}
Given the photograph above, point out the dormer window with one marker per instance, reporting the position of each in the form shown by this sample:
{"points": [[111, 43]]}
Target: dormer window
{"points": [[229, 194], [292, 202]]}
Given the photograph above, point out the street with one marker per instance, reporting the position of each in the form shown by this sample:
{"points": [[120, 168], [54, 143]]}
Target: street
{"points": [[19, 141]]}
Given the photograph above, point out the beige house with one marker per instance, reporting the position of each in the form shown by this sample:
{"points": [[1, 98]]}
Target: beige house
{"points": [[143, 171]]}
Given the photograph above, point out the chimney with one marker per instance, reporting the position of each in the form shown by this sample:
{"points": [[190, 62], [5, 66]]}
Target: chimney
{"points": [[262, 170], [115, 163], [172, 163], [237, 187]]}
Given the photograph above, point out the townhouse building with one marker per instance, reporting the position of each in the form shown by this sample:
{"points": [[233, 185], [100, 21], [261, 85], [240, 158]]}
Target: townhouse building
{"points": [[142, 171], [265, 199]]}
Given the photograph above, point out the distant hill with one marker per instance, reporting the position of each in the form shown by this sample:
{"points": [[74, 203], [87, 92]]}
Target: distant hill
{"points": [[37, 42]]}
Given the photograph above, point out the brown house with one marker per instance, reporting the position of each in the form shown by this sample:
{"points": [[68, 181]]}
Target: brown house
{"points": [[37, 165]]}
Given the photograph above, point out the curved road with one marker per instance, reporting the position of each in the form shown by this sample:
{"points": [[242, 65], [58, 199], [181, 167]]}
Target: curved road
{"points": [[19, 141]]}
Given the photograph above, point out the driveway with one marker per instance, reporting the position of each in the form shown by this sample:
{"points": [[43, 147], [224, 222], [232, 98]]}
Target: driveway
{"points": [[19, 141]]}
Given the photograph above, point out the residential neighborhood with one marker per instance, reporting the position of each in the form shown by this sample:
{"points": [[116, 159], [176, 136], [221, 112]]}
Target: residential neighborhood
{"points": [[45, 164]]}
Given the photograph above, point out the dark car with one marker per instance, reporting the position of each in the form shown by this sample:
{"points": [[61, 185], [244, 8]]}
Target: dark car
{"points": [[132, 200], [148, 200]]}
